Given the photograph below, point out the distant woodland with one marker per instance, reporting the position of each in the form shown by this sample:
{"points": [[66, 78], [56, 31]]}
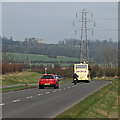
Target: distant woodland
{"points": [[99, 50]]}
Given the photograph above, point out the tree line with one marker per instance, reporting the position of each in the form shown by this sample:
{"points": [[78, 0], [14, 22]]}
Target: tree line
{"points": [[105, 50]]}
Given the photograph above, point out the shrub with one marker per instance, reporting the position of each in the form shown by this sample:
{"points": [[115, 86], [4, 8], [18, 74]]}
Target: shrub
{"points": [[100, 73], [67, 72], [110, 72], [92, 74], [9, 68], [94, 71]]}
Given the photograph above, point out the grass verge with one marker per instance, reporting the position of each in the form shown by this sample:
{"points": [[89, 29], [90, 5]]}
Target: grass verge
{"points": [[20, 78], [25, 87], [17, 88], [24, 78], [101, 104]]}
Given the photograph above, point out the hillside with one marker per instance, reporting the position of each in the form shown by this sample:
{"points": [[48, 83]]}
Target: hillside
{"points": [[97, 49]]}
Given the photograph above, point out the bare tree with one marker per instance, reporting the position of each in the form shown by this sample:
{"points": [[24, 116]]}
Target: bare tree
{"points": [[6, 57], [110, 55]]}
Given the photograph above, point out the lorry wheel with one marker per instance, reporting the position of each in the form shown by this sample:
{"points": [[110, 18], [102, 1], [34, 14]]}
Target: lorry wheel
{"points": [[87, 81]]}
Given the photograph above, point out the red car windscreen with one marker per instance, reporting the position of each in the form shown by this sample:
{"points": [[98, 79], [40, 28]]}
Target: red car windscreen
{"points": [[47, 77]]}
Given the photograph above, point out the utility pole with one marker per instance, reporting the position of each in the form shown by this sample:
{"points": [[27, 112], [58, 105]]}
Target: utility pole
{"points": [[26, 41], [84, 52], [81, 45], [86, 37]]}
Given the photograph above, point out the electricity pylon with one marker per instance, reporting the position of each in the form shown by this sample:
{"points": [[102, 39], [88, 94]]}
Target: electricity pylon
{"points": [[84, 53]]}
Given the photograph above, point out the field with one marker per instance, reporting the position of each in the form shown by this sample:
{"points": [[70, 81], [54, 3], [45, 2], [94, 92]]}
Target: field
{"points": [[101, 104], [43, 59], [38, 60]]}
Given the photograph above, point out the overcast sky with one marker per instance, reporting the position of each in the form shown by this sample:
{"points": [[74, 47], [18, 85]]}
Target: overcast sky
{"points": [[53, 22]]}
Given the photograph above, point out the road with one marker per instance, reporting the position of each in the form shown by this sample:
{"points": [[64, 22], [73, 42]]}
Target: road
{"points": [[48, 102], [9, 86]]}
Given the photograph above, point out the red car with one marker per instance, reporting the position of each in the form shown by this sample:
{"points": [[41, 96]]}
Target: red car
{"points": [[48, 80]]}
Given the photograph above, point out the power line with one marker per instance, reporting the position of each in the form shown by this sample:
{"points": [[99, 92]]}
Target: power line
{"points": [[83, 33]]}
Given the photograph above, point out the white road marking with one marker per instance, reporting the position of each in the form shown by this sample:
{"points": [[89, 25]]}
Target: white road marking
{"points": [[47, 92], [40, 94], [29, 97], [16, 100], [54, 91], [60, 89], [69, 87], [64, 88], [2, 104]]}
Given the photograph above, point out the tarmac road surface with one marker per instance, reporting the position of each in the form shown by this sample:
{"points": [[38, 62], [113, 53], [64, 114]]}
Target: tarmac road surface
{"points": [[48, 102]]}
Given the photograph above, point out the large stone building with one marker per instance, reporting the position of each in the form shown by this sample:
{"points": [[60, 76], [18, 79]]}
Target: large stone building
{"points": [[40, 41]]}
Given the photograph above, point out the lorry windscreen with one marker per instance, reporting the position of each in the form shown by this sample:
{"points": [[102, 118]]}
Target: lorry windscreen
{"points": [[81, 66]]}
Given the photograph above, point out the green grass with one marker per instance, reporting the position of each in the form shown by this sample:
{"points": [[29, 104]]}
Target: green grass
{"points": [[65, 81], [20, 78], [17, 88], [101, 104], [24, 78], [105, 78], [45, 58]]}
